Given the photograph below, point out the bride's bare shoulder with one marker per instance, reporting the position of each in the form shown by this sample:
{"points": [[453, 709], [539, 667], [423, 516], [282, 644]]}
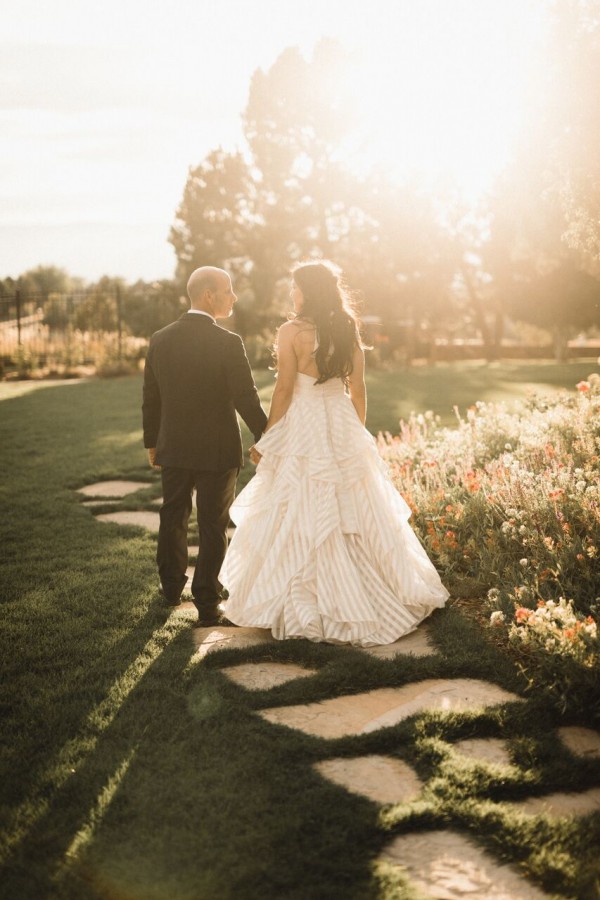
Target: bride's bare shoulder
{"points": [[299, 330]]}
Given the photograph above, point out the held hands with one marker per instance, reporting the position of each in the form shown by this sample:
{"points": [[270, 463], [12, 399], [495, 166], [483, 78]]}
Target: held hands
{"points": [[254, 455], [151, 458]]}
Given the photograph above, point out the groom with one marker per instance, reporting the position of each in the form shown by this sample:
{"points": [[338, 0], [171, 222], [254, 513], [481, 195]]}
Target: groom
{"points": [[196, 377]]}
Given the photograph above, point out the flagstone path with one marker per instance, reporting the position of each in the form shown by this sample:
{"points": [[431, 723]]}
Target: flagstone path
{"points": [[417, 643], [581, 741], [262, 676], [207, 640], [112, 489], [382, 779], [363, 713], [560, 804], [439, 864], [141, 517], [448, 866]]}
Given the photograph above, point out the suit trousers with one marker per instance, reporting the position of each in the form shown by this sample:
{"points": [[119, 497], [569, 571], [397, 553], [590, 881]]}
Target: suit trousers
{"points": [[215, 492]]}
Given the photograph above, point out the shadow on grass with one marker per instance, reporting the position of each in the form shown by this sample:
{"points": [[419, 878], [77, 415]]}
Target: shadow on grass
{"points": [[187, 793]]}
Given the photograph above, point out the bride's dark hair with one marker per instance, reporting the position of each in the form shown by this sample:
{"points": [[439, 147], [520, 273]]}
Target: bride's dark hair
{"points": [[329, 304]]}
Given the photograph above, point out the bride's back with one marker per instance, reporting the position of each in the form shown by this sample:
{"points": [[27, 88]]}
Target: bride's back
{"points": [[305, 344]]}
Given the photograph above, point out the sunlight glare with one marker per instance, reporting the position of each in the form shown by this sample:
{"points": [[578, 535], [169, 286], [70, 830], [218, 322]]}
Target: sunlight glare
{"points": [[443, 95]]}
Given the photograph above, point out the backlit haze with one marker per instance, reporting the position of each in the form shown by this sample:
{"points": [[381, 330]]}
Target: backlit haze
{"points": [[105, 106]]}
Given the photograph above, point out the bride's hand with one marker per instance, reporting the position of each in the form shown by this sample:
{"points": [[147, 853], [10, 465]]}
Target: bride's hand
{"points": [[254, 455]]}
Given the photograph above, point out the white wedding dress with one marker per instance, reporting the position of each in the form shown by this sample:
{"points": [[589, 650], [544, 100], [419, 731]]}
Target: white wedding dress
{"points": [[322, 548]]}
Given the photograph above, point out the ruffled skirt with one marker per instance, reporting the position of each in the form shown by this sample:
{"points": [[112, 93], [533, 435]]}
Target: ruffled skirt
{"points": [[322, 548]]}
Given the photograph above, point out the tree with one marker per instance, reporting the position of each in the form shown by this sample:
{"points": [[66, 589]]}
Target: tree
{"points": [[294, 199], [397, 252], [564, 300], [215, 215], [46, 280], [572, 123], [295, 121], [98, 311], [148, 307], [287, 200], [525, 253]]}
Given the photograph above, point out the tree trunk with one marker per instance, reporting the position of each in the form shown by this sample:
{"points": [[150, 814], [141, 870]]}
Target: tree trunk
{"points": [[560, 344], [488, 347], [498, 333]]}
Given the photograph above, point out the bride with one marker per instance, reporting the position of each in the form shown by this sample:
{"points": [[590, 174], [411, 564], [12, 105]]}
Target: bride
{"points": [[323, 549]]}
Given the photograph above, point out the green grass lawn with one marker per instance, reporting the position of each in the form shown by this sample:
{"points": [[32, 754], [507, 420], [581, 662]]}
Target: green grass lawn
{"points": [[130, 770]]}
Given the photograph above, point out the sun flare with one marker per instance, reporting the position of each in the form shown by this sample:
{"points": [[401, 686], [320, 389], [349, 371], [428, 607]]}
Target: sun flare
{"points": [[444, 95]]}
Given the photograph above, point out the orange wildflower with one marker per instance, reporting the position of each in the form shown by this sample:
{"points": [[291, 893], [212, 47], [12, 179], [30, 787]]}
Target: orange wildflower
{"points": [[522, 614]]}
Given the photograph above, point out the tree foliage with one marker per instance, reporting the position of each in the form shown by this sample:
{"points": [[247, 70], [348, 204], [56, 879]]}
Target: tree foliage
{"points": [[215, 214], [293, 198], [571, 123]]}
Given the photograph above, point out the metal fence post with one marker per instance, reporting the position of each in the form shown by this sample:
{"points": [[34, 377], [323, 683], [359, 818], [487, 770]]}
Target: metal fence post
{"points": [[119, 325], [18, 305]]}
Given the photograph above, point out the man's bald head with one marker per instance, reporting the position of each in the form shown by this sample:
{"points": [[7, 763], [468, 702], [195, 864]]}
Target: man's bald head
{"points": [[204, 279], [209, 289]]}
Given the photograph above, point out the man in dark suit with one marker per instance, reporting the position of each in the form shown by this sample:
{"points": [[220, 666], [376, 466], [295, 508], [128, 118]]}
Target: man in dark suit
{"points": [[196, 377]]}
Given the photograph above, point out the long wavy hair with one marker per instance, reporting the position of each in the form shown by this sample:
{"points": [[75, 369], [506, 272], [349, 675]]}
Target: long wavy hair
{"points": [[329, 304]]}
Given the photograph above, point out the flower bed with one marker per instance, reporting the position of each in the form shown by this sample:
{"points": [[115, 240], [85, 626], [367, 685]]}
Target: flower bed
{"points": [[508, 506]]}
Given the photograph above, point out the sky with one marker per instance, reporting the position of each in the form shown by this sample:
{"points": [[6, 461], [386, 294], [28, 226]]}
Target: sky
{"points": [[104, 107]]}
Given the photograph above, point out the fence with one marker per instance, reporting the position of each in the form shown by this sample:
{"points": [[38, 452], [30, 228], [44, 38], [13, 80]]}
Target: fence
{"points": [[59, 332]]}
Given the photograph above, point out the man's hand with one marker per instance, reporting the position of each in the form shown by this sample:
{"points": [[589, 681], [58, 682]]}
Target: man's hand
{"points": [[254, 455], [152, 457]]}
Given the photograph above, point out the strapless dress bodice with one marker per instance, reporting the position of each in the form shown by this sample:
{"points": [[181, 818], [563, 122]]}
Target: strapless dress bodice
{"points": [[305, 383]]}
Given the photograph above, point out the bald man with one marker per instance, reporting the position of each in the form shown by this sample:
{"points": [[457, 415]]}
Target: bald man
{"points": [[196, 377]]}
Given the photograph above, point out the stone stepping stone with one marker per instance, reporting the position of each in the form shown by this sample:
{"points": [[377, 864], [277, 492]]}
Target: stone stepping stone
{"points": [[112, 489], [447, 866], [417, 643], [144, 518], [581, 741], [92, 504], [559, 805], [261, 676], [382, 779], [208, 640], [485, 750], [363, 713]]}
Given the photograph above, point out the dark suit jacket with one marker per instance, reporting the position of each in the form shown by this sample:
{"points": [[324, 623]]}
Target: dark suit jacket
{"points": [[196, 376]]}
